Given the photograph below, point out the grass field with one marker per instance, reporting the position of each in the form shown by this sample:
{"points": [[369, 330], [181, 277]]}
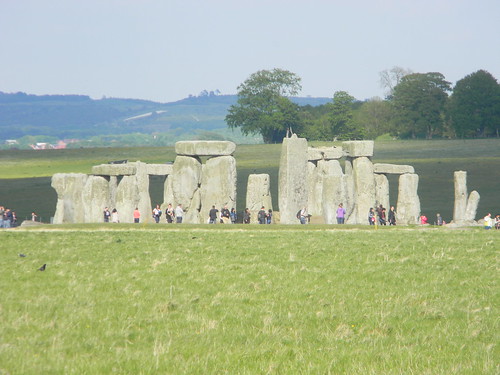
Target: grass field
{"points": [[25, 175], [155, 299]]}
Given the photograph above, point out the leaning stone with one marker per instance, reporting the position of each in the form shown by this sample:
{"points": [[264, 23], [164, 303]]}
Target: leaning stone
{"points": [[471, 210], [114, 169], [258, 195], [356, 149], [292, 189], [460, 182], [159, 169], [392, 168], [408, 207], [205, 148]]}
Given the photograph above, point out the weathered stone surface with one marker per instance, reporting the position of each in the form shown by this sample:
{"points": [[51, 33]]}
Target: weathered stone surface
{"points": [[258, 194], [382, 191], [112, 186], [358, 148], [205, 148], [317, 171], [460, 181], [144, 199], [186, 178], [324, 153], [218, 184], [159, 169], [292, 178], [95, 194], [192, 214], [350, 199], [471, 210], [408, 206], [127, 199], [114, 169], [392, 168], [334, 192], [364, 190], [168, 194], [70, 206]]}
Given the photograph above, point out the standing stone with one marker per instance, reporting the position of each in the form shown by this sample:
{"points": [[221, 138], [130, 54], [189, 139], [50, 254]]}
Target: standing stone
{"points": [[186, 178], [127, 199], [192, 215], [471, 210], [168, 194], [292, 178], [460, 180], [218, 184], [258, 194], [382, 190], [95, 196], [350, 191], [334, 193], [364, 190], [70, 205], [315, 189], [112, 186], [408, 206], [144, 199]]}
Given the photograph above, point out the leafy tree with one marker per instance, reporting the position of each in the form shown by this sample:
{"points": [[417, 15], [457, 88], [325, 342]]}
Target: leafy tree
{"points": [[475, 105], [342, 124], [263, 105], [419, 101], [375, 117]]}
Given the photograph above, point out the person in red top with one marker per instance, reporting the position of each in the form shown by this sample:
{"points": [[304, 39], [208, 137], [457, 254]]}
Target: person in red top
{"points": [[423, 219], [137, 215]]}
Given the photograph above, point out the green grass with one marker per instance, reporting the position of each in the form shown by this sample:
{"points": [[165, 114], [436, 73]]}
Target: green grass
{"points": [[156, 299], [25, 183]]}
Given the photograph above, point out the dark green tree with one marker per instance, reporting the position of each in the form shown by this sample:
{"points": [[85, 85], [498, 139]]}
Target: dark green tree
{"points": [[375, 117], [342, 125], [474, 107], [419, 102], [263, 105]]}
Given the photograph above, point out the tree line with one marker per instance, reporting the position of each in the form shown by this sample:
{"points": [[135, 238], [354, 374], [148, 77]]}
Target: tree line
{"points": [[417, 105]]}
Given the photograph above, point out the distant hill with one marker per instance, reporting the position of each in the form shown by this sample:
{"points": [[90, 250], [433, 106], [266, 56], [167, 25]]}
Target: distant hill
{"points": [[80, 117]]}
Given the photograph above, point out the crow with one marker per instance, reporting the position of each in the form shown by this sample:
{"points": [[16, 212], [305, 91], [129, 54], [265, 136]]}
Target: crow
{"points": [[42, 268], [22, 255]]}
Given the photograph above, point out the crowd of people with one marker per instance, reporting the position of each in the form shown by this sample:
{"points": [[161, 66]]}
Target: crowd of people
{"points": [[378, 216], [8, 218]]}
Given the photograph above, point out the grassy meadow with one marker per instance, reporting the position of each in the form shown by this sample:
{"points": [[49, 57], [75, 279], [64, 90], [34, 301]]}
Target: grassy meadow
{"points": [[184, 299], [25, 174]]}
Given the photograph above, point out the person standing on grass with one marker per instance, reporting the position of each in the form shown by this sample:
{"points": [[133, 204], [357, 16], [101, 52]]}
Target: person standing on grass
{"points": [[392, 216], [169, 214], [371, 216], [225, 215], [179, 213], [2, 211], [34, 216], [137, 215], [340, 214], [212, 215], [487, 221], [497, 222], [106, 215], [114, 216], [261, 216], [246, 216], [269, 217], [234, 216], [303, 215], [157, 213]]}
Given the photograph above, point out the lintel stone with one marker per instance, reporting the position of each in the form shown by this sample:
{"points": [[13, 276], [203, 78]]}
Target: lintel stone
{"points": [[114, 169], [159, 169], [356, 149], [392, 168], [205, 148], [324, 153]]}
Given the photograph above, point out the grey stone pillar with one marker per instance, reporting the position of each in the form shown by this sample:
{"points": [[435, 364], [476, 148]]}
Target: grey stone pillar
{"points": [[460, 181], [70, 205], [258, 194], [408, 207]]}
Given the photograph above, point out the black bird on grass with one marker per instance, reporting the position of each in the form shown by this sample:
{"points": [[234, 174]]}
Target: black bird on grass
{"points": [[42, 268], [22, 255]]}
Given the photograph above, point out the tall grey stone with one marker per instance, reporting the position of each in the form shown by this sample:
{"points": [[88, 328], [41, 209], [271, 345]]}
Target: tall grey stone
{"points": [[460, 182], [168, 194], [258, 194], [334, 192], [471, 210], [364, 190], [218, 184], [408, 206], [186, 179], [95, 196], [127, 199], [382, 190], [144, 199], [315, 188], [350, 191], [70, 207], [292, 187], [112, 186]]}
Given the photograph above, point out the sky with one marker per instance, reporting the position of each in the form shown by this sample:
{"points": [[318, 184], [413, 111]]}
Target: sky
{"points": [[165, 50]]}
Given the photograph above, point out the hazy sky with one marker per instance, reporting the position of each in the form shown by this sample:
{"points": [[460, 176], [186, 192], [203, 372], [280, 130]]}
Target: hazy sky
{"points": [[164, 50]]}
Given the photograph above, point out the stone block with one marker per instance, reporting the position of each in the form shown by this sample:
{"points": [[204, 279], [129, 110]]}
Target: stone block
{"points": [[460, 205], [258, 194], [159, 169], [392, 168], [408, 207], [114, 169], [324, 153], [356, 149], [205, 148]]}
